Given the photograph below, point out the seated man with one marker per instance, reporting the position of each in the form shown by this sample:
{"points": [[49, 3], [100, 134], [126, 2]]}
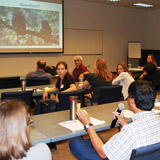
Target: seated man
{"points": [[144, 129], [80, 69], [39, 74]]}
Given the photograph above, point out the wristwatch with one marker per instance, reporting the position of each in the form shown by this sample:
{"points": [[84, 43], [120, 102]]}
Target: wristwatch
{"points": [[87, 126]]}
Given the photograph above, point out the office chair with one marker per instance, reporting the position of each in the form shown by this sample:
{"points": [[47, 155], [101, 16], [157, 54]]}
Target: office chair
{"points": [[110, 94], [64, 99], [10, 82], [146, 153], [155, 79], [37, 82], [25, 96]]}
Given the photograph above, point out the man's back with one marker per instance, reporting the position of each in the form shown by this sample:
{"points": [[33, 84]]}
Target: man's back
{"points": [[143, 131], [39, 75]]}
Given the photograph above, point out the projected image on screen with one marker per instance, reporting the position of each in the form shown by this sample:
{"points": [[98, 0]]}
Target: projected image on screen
{"points": [[30, 26]]}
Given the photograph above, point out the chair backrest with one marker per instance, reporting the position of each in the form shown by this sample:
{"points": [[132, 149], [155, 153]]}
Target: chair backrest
{"points": [[10, 82], [37, 82], [155, 78], [146, 153], [25, 96], [110, 94], [64, 99]]}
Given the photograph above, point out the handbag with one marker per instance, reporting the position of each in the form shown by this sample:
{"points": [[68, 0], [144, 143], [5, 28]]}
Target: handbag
{"points": [[47, 106]]}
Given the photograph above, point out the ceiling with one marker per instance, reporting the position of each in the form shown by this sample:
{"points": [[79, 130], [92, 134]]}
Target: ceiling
{"points": [[129, 3]]}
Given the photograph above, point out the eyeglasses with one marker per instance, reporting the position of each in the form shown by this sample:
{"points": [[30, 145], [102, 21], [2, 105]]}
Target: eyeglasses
{"points": [[76, 60], [31, 123]]}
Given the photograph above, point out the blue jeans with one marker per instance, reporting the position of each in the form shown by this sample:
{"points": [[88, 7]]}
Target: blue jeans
{"points": [[83, 149]]}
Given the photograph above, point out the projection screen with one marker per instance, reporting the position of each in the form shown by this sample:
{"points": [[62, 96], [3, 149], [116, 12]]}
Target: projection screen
{"points": [[31, 26]]}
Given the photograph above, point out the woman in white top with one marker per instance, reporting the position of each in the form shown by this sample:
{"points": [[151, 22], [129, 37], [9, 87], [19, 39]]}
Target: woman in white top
{"points": [[124, 78], [14, 134]]}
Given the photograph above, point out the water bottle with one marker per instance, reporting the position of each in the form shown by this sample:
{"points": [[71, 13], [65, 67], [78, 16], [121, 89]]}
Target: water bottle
{"points": [[23, 85], [80, 83], [73, 107]]}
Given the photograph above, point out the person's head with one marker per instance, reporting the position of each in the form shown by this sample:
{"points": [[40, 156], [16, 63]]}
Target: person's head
{"points": [[14, 136], [61, 69], [100, 68], [122, 67], [78, 60], [143, 93], [150, 58], [41, 65]]}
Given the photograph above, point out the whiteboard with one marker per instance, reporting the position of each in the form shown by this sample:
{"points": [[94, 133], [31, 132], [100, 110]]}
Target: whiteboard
{"points": [[83, 41], [134, 49]]}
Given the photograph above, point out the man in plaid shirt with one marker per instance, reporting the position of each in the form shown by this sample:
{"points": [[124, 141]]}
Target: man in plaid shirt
{"points": [[144, 129]]}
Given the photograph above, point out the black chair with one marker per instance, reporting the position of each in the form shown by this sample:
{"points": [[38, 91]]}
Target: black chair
{"points": [[155, 79], [36, 82], [64, 99], [25, 96], [10, 82], [146, 153], [110, 94]]}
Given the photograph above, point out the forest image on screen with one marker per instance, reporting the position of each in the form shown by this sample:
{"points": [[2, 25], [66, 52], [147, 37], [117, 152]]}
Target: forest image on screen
{"points": [[29, 26]]}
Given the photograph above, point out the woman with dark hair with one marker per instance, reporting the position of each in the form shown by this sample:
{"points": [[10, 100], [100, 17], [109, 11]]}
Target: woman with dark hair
{"points": [[65, 81], [148, 69], [124, 78], [101, 77], [14, 134]]}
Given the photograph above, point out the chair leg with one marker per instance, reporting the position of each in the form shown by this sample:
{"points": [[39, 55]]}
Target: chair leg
{"points": [[52, 145]]}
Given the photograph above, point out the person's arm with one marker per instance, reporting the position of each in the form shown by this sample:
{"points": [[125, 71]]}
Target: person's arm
{"points": [[139, 67], [143, 74], [97, 143], [45, 94], [120, 77], [71, 88], [83, 74], [86, 85]]}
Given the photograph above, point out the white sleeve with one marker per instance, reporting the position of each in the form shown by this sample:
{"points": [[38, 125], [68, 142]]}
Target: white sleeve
{"points": [[119, 78], [38, 152]]}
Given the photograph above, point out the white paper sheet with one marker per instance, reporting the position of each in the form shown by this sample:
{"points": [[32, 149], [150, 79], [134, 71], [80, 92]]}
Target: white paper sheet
{"points": [[156, 111], [76, 125], [29, 89], [127, 113]]}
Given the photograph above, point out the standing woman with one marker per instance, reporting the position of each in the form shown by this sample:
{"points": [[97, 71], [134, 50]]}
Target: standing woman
{"points": [[100, 78], [65, 81], [148, 69], [14, 134], [124, 78]]}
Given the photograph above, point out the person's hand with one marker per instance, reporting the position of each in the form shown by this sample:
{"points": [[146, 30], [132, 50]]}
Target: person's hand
{"points": [[57, 99], [45, 95], [81, 76], [83, 116], [121, 120], [141, 76]]}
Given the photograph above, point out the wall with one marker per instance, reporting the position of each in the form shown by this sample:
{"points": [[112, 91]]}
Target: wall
{"points": [[153, 30], [119, 25]]}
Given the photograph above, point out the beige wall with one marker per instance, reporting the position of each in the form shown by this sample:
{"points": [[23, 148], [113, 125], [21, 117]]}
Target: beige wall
{"points": [[119, 25]]}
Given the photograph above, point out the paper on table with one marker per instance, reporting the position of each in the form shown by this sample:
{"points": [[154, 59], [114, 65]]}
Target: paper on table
{"points": [[156, 111], [29, 89], [127, 113], [157, 103], [46, 88], [76, 125]]}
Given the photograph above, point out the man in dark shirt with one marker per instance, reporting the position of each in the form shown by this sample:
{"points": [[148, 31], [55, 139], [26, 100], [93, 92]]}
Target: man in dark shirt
{"points": [[39, 74], [80, 69]]}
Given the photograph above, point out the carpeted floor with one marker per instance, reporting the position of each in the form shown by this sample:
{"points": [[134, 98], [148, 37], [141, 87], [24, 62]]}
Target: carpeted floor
{"points": [[63, 151]]}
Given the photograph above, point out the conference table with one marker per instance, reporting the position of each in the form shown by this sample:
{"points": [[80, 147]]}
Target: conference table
{"points": [[39, 90], [47, 128]]}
